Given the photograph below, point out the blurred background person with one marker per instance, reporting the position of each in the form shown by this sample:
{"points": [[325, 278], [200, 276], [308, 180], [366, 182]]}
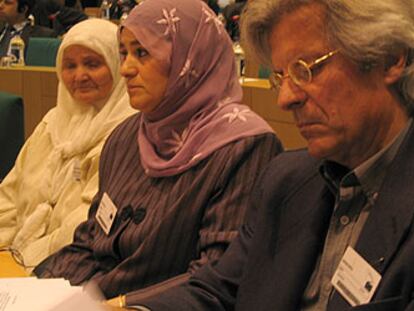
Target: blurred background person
{"points": [[58, 15], [213, 4], [175, 178], [119, 9], [49, 190], [231, 14], [14, 16]]}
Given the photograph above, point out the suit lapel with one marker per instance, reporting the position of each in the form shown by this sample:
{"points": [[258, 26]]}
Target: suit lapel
{"points": [[390, 217], [302, 238], [392, 214], [4, 41], [286, 244], [26, 33]]}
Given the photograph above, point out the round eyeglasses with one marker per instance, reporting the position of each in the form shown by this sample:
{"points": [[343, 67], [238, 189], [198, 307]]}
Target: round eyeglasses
{"points": [[299, 71]]}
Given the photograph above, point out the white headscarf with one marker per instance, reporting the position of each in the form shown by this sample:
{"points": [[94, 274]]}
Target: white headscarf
{"points": [[74, 127], [77, 128]]}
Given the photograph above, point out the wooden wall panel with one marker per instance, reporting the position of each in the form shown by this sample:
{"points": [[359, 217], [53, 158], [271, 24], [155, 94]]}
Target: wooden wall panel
{"points": [[49, 84], [33, 104], [37, 86], [11, 82], [261, 99]]}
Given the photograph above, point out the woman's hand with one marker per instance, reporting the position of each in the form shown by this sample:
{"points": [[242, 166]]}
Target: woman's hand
{"points": [[117, 303]]}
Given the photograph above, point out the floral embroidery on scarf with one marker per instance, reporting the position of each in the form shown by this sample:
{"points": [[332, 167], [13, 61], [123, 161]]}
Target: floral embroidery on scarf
{"points": [[190, 73], [169, 20], [177, 140], [186, 67], [237, 114], [223, 101], [212, 17]]}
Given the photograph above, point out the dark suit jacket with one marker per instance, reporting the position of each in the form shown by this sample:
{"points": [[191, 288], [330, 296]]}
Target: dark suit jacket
{"points": [[164, 227], [269, 265], [58, 15], [33, 31], [36, 31]]}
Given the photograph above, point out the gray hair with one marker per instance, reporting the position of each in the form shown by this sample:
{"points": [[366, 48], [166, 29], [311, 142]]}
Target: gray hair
{"points": [[365, 31]]}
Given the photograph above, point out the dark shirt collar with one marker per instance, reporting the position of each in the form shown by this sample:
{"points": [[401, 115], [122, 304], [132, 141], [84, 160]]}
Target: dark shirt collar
{"points": [[370, 174]]}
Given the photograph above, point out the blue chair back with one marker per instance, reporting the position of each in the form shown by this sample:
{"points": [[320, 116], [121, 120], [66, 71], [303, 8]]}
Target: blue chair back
{"points": [[11, 130], [42, 51], [264, 72]]}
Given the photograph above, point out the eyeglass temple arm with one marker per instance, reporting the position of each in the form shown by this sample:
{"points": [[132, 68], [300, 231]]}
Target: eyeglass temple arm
{"points": [[323, 58]]}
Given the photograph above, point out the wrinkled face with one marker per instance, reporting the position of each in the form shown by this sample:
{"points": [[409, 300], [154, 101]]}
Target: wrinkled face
{"points": [[146, 77], [345, 114], [86, 75], [9, 13]]}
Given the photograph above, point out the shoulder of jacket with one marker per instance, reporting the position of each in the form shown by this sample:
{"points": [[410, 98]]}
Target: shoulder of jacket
{"points": [[124, 131], [36, 30], [292, 167]]}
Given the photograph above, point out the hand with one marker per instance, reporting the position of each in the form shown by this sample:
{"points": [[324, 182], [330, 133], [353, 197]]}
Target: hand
{"points": [[114, 302]]}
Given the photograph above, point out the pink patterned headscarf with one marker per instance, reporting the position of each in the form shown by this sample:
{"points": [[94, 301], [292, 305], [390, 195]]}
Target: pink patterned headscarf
{"points": [[201, 109]]}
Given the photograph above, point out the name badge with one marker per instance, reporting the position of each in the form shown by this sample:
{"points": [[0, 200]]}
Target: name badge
{"points": [[355, 279], [77, 173], [106, 213]]}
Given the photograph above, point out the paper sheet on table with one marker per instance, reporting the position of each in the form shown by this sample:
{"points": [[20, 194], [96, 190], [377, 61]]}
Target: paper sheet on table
{"points": [[18, 294]]}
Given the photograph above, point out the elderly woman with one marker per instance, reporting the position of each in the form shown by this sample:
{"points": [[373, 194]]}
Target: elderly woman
{"points": [[48, 192], [174, 179]]}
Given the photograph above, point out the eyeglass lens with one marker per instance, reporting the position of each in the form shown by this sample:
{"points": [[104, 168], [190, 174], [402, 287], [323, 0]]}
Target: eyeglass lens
{"points": [[300, 72]]}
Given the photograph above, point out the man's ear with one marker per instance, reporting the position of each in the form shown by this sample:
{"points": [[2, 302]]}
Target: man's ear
{"points": [[394, 67]]}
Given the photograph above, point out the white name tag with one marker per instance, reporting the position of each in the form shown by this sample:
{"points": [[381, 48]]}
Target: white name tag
{"points": [[355, 279], [106, 213], [77, 173]]}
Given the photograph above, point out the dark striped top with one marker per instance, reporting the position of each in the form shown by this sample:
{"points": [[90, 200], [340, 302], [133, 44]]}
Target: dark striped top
{"points": [[164, 227]]}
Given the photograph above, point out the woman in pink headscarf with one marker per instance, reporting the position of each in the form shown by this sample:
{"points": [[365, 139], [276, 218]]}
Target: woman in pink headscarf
{"points": [[174, 179]]}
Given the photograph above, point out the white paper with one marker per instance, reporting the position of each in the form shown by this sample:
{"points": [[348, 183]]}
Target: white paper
{"points": [[17, 294]]}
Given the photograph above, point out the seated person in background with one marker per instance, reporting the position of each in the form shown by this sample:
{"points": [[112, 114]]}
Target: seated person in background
{"points": [[57, 15], [231, 14], [174, 179], [76, 4], [49, 190], [120, 7], [14, 14], [212, 4], [90, 3], [345, 205]]}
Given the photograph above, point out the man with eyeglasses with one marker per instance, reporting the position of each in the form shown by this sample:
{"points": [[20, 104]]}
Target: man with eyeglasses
{"points": [[331, 227], [14, 16]]}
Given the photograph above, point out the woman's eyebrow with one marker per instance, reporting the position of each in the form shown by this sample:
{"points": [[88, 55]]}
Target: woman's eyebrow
{"points": [[135, 43]]}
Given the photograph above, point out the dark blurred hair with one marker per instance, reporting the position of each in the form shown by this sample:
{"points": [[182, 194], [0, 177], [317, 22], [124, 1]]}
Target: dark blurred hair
{"points": [[21, 4]]}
